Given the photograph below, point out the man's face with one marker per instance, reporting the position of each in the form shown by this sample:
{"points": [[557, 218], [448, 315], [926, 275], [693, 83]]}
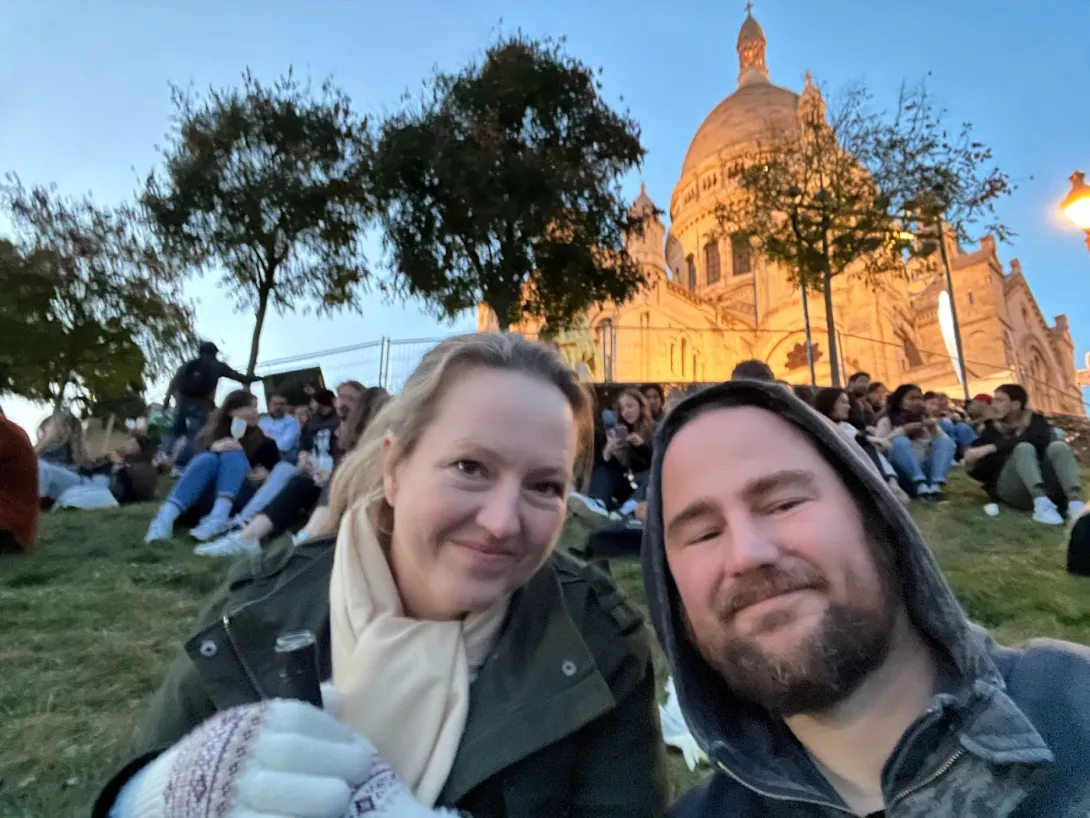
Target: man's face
{"points": [[778, 580], [348, 397], [931, 407], [1003, 407], [877, 397], [858, 387], [277, 404]]}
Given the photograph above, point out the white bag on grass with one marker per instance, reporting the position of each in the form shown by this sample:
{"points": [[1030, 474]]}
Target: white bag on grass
{"points": [[675, 731]]}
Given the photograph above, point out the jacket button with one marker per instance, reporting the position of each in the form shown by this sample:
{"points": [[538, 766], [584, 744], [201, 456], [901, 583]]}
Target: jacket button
{"points": [[208, 649], [568, 667]]}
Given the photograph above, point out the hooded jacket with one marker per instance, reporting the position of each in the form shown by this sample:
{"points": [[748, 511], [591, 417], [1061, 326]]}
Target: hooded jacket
{"points": [[1008, 733]]}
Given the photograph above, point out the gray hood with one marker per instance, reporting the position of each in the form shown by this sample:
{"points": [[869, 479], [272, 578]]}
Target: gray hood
{"points": [[740, 738]]}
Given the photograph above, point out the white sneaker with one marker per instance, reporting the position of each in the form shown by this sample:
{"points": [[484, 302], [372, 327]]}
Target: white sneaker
{"points": [[582, 506], [230, 546], [1074, 509], [1044, 511], [211, 527], [159, 531]]}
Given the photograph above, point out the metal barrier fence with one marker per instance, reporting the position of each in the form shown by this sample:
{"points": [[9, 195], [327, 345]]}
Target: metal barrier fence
{"points": [[680, 354]]}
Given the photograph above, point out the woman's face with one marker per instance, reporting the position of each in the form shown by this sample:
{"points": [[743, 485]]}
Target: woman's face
{"points": [[479, 503], [913, 401], [630, 409], [247, 413], [842, 408]]}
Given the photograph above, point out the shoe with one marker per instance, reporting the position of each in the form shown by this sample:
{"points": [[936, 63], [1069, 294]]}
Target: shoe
{"points": [[587, 507], [159, 531], [938, 492], [1044, 511], [232, 545], [1074, 509], [924, 492], [211, 527]]}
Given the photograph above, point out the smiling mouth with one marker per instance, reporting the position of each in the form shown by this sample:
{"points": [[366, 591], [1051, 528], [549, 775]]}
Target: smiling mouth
{"points": [[485, 550], [769, 601]]}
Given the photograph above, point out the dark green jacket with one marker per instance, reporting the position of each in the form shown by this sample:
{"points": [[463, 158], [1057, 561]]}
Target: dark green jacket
{"points": [[562, 717]]}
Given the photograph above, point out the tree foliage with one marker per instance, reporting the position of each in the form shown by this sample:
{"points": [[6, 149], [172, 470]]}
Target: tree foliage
{"points": [[89, 307], [844, 191], [500, 185], [269, 185]]}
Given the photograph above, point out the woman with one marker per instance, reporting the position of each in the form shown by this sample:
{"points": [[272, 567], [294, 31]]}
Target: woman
{"points": [[836, 405], [61, 454], [919, 450], [306, 494], [495, 677], [215, 480], [621, 476]]}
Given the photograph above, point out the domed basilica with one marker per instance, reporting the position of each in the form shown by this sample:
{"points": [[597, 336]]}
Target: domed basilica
{"points": [[712, 301]]}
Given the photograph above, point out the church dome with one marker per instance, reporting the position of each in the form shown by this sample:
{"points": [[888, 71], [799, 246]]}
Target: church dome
{"points": [[755, 113]]}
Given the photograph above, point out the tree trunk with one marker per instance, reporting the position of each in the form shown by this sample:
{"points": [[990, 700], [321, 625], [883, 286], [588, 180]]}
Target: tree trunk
{"points": [[58, 401], [259, 323], [501, 310], [830, 327]]}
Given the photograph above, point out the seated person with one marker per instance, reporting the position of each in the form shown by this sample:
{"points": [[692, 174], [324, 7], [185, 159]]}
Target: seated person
{"points": [[863, 416], [306, 495], [836, 405], [620, 478], [128, 470], [231, 452], [876, 399], [18, 488], [937, 405], [979, 411], [656, 401], [476, 671], [281, 427], [61, 454], [1021, 463], [920, 451]]}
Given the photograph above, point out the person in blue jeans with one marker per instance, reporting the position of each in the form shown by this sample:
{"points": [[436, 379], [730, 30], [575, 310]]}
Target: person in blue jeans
{"points": [[920, 451], [937, 405], [233, 454]]}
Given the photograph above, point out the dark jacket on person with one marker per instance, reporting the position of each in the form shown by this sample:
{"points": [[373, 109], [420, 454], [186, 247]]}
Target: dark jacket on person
{"points": [[988, 468], [562, 716], [1006, 736], [210, 370], [318, 423]]}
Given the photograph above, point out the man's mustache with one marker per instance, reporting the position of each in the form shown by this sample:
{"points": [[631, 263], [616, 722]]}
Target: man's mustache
{"points": [[767, 582]]}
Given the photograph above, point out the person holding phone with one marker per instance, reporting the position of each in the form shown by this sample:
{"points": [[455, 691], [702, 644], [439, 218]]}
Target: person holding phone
{"points": [[233, 456], [920, 451]]}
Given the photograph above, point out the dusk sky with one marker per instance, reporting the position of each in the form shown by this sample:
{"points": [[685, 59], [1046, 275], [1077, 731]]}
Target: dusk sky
{"points": [[84, 98]]}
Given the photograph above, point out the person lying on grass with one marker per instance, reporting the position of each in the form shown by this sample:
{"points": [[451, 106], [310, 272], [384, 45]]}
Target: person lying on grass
{"points": [[819, 657], [475, 669]]}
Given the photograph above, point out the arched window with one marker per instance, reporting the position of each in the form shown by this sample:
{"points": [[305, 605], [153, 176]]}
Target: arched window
{"points": [[692, 271], [741, 258], [711, 263]]}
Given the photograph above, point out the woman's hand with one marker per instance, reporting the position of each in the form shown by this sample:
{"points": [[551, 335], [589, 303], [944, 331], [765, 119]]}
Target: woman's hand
{"points": [[258, 475], [634, 440], [383, 796], [879, 443], [305, 463], [273, 758], [321, 477], [225, 444], [930, 423], [912, 428]]}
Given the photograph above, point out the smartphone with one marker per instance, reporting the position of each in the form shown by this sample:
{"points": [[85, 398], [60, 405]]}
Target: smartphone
{"points": [[238, 428]]}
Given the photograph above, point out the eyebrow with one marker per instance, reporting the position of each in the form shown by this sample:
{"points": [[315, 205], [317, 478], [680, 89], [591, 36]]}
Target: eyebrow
{"points": [[756, 490]]}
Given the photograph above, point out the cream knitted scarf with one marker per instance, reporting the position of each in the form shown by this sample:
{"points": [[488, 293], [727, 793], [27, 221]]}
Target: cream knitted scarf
{"points": [[404, 683]]}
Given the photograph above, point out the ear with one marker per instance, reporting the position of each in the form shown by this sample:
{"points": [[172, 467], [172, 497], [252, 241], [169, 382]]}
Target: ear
{"points": [[389, 476]]}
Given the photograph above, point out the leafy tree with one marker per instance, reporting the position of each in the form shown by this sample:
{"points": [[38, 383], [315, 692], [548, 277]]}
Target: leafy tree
{"points": [[88, 305], [836, 194], [500, 186], [269, 185]]}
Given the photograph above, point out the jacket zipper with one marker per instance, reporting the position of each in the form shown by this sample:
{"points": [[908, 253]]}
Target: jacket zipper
{"points": [[939, 773], [777, 797]]}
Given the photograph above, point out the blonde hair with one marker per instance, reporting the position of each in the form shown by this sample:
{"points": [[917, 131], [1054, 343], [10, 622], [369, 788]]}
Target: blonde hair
{"points": [[63, 427], [406, 416]]}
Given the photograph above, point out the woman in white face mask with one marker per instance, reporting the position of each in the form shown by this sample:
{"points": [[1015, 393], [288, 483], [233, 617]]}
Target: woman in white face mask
{"points": [[475, 669]]}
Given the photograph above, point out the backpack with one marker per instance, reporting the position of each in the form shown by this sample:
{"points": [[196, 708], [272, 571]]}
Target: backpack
{"points": [[199, 379]]}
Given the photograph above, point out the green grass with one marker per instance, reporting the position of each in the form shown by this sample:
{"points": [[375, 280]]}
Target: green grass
{"points": [[91, 619]]}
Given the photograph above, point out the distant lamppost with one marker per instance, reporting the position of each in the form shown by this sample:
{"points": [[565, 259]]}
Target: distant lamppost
{"points": [[1077, 204]]}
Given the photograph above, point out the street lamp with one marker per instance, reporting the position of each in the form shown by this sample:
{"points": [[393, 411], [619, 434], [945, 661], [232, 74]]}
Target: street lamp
{"points": [[1077, 204]]}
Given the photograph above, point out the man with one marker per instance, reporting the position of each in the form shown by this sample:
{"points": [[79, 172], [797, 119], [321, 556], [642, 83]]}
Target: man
{"points": [[979, 411], [281, 427], [754, 370], [193, 387], [1021, 463], [862, 415], [876, 397], [18, 488], [656, 400], [819, 657], [937, 405]]}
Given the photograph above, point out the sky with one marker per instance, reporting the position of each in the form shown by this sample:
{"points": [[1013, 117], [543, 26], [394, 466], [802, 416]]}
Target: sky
{"points": [[84, 99]]}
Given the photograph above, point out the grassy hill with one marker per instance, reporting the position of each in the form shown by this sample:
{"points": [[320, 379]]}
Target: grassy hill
{"points": [[91, 619]]}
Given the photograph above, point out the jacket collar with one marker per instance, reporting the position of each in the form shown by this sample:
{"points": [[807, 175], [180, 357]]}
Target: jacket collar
{"points": [[540, 683]]}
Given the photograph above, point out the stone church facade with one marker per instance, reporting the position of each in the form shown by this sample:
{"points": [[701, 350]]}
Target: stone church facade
{"points": [[713, 302]]}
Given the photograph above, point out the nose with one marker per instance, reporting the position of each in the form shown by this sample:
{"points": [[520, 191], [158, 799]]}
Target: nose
{"points": [[749, 545], [499, 515]]}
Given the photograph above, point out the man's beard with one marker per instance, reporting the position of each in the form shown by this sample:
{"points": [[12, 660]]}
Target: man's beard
{"points": [[850, 642]]}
